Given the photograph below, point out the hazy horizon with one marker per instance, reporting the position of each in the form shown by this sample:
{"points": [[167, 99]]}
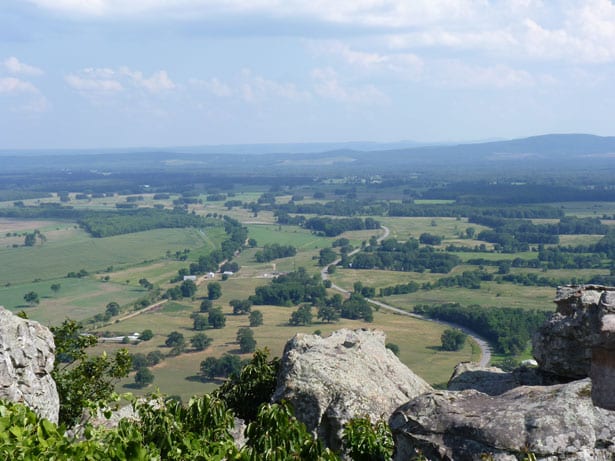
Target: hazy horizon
{"points": [[115, 74]]}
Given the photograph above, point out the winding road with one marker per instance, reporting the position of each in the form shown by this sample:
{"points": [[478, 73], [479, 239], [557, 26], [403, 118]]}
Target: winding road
{"points": [[482, 343]]}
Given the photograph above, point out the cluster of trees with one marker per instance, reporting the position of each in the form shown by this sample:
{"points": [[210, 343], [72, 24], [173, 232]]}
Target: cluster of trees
{"points": [[402, 256], [481, 192], [332, 227], [508, 329], [467, 279], [453, 339], [290, 289], [513, 235], [348, 207], [458, 210], [31, 238], [221, 367], [236, 238], [106, 224], [187, 289], [326, 256], [274, 251], [429, 239]]}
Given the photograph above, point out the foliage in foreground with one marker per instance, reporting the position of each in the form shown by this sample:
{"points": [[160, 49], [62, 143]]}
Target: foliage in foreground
{"points": [[83, 381], [200, 430]]}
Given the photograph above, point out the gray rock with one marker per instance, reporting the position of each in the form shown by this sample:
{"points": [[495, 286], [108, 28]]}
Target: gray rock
{"points": [[553, 422], [491, 380], [563, 345], [330, 380], [27, 354]]}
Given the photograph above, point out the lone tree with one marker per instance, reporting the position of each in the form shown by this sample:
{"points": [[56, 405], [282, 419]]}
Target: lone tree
{"points": [[328, 314], [144, 377], [176, 342], [146, 335], [56, 287], [188, 288], [302, 316], [453, 339], [31, 297], [245, 338], [112, 308], [200, 341], [214, 290], [216, 318], [256, 318], [241, 306], [200, 323], [206, 304]]}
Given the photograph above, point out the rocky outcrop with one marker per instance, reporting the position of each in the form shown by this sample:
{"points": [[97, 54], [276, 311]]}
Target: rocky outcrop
{"points": [[563, 345], [492, 380], [348, 374], [26, 362], [553, 422]]}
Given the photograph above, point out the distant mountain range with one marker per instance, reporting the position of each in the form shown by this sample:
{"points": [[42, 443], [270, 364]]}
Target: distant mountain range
{"points": [[552, 151]]}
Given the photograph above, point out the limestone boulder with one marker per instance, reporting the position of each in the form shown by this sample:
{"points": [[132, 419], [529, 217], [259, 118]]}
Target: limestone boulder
{"points": [[563, 345], [555, 423], [27, 354], [351, 373], [492, 380]]}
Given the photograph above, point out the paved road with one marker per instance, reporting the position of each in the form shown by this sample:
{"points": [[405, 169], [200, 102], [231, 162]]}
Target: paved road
{"points": [[482, 343]]}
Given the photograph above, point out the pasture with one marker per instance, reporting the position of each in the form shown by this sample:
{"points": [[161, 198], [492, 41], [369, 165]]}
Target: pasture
{"points": [[418, 340], [70, 249]]}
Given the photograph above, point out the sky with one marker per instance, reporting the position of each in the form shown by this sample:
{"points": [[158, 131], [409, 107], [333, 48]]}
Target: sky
{"points": [[154, 73]]}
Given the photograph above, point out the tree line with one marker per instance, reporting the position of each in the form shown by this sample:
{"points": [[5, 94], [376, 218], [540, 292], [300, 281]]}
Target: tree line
{"points": [[508, 329]]}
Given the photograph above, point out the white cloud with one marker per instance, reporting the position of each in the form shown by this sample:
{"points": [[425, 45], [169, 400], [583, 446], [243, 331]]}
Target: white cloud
{"points": [[327, 85], [389, 13], [254, 88], [404, 64], [213, 86], [158, 82], [12, 85], [97, 82], [91, 84], [457, 74], [15, 66]]}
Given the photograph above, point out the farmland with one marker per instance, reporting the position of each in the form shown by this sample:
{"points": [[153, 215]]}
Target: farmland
{"points": [[485, 254]]}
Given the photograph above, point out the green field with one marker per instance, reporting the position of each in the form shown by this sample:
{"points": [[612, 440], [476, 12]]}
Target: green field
{"points": [[419, 343], [71, 249], [127, 258], [77, 298]]}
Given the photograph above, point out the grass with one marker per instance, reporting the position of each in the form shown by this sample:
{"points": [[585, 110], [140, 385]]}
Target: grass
{"points": [[77, 298], [419, 343], [300, 238], [585, 209], [403, 228], [491, 293], [71, 249], [574, 240]]}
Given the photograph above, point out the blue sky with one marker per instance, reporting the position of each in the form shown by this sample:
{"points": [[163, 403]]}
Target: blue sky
{"points": [[128, 73]]}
